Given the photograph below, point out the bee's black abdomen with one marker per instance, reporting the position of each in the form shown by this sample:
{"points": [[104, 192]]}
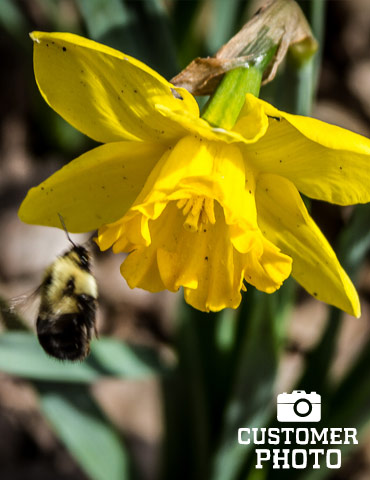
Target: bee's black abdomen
{"points": [[68, 338]]}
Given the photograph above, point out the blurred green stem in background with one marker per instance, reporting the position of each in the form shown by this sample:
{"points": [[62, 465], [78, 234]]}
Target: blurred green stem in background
{"points": [[295, 89], [307, 74]]}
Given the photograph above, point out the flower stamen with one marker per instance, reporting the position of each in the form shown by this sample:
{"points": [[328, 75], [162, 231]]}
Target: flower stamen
{"points": [[198, 211]]}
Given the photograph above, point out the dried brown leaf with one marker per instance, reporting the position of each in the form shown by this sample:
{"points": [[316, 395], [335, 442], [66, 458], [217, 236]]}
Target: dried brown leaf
{"points": [[278, 23]]}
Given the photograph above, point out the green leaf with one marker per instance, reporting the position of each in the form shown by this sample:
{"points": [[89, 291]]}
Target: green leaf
{"points": [[122, 360], [224, 20], [295, 86], [80, 425], [254, 474], [348, 404], [218, 355], [354, 243], [185, 402], [140, 29], [13, 20], [102, 17], [184, 17], [254, 376], [21, 354], [345, 406]]}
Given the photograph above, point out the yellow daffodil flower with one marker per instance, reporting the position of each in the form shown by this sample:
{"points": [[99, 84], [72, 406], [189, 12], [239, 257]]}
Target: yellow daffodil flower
{"points": [[194, 206]]}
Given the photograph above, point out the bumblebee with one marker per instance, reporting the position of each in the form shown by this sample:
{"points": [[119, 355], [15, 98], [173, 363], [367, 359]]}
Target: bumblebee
{"points": [[68, 302]]}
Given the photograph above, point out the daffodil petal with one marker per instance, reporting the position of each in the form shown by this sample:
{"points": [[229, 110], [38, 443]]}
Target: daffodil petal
{"points": [[135, 225], [199, 127], [153, 267], [203, 262], [284, 220], [253, 121], [166, 233], [324, 161], [177, 263], [96, 188], [215, 170], [267, 272], [104, 93], [140, 269]]}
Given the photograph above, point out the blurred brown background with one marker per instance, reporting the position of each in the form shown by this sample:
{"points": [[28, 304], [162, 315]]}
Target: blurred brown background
{"points": [[34, 142]]}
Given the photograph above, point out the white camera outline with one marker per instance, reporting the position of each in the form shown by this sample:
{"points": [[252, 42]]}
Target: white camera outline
{"points": [[292, 400]]}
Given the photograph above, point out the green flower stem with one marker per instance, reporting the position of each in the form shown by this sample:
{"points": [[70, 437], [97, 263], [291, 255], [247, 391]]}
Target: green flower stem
{"points": [[226, 103], [223, 108]]}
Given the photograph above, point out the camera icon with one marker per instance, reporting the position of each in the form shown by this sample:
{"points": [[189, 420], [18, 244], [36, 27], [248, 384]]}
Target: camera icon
{"points": [[299, 406]]}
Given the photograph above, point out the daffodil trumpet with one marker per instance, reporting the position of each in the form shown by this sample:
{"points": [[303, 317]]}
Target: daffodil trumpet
{"points": [[194, 205]]}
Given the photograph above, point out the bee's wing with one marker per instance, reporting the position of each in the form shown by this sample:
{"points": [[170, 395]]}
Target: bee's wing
{"points": [[21, 300], [20, 312]]}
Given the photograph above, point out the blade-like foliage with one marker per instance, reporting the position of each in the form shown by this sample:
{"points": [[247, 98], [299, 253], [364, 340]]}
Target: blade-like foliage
{"points": [[21, 355], [83, 429], [140, 29]]}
